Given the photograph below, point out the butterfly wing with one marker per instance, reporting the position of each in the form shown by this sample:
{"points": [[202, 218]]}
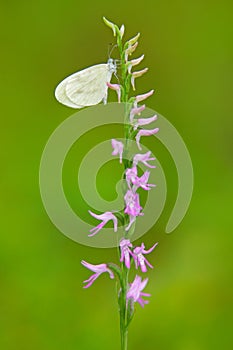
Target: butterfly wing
{"points": [[89, 86], [60, 94], [84, 88]]}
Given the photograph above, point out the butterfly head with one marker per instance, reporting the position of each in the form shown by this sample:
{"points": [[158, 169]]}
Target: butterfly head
{"points": [[112, 65]]}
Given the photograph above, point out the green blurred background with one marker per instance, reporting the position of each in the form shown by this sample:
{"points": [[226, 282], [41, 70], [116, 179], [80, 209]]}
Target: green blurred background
{"points": [[188, 48]]}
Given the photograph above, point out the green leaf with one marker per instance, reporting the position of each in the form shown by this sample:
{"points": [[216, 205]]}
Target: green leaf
{"points": [[128, 82], [132, 229], [120, 216], [130, 311], [115, 268], [132, 100]]}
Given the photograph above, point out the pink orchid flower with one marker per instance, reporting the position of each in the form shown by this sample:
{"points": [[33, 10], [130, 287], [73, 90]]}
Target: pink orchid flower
{"points": [[125, 246], [117, 88], [144, 121], [98, 269], [140, 260], [135, 111], [117, 148], [144, 132], [105, 217], [143, 158], [135, 291], [132, 203]]}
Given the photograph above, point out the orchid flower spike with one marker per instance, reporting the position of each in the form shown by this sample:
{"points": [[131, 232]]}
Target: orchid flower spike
{"points": [[117, 148], [98, 269], [117, 88], [135, 291], [140, 260], [125, 246], [137, 75], [143, 158], [144, 132], [105, 217]]}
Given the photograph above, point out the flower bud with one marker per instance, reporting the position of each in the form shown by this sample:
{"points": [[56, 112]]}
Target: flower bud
{"points": [[133, 40], [140, 98], [134, 63], [130, 50], [122, 30], [110, 25], [137, 75]]}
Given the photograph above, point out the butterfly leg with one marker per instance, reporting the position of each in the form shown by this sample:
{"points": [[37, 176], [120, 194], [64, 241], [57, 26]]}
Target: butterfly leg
{"points": [[105, 98]]}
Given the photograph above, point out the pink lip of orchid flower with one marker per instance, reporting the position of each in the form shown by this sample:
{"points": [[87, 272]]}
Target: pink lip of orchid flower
{"points": [[125, 246], [144, 132], [117, 88], [143, 158], [105, 217], [98, 269], [139, 259], [135, 291], [117, 148]]}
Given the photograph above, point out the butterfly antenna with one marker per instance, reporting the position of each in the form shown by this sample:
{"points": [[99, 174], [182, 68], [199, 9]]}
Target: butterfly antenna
{"points": [[110, 51], [109, 47]]}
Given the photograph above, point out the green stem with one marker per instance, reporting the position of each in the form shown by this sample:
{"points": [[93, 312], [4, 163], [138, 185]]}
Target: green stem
{"points": [[124, 270], [123, 308]]}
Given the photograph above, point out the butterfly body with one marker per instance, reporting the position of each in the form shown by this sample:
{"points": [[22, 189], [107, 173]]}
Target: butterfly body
{"points": [[87, 87]]}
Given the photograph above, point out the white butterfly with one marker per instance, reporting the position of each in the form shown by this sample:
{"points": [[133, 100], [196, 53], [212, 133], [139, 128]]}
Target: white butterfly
{"points": [[87, 87]]}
